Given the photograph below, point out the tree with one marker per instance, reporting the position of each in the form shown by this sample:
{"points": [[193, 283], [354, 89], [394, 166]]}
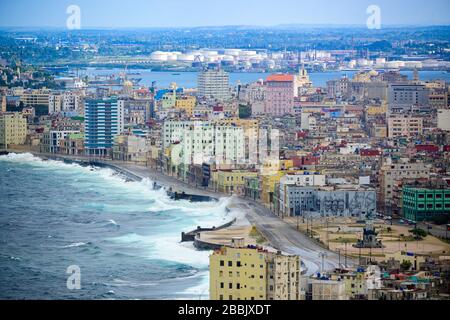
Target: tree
{"points": [[244, 111], [406, 265], [419, 233]]}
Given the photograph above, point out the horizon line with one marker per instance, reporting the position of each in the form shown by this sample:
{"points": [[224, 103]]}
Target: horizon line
{"points": [[288, 25]]}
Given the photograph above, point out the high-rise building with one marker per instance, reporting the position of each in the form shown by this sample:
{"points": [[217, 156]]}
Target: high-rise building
{"points": [[279, 95], [214, 83], [252, 273], [406, 97], [13, 129], [104, 119]]}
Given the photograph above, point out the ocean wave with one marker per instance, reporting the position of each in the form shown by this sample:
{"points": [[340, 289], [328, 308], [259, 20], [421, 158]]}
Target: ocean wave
{"points": [[76, 244]]}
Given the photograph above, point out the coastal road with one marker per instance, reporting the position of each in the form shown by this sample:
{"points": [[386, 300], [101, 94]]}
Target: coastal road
{"points": [[281, 235], [286, 238]]}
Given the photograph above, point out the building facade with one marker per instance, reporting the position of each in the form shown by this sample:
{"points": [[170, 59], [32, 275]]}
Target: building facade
{"points": [[279, 97], [214, 84], [104, 119], [13, 129], [252, 273]]}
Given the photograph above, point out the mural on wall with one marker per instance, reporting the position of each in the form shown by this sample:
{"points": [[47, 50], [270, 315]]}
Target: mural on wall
{"points": [[355, 203]]}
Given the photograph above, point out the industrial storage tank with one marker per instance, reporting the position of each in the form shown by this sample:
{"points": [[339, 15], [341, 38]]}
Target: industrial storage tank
{"points": [[185, 57], [158, 56]]}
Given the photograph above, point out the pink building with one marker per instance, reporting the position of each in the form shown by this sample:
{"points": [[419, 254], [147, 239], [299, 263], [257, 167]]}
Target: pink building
{"points": [[279, 95]]}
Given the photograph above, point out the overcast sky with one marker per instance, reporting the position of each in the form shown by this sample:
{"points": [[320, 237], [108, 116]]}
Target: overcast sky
{"points": [[189, 13]]}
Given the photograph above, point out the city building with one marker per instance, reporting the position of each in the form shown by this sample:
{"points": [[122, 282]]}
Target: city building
{"points": [[407, 97], [425, 203], [393, 171], [72, 144], [13, 129], [443, 119], [52, 140], [326, 289], [131, 148], [214, 84], [253, 273], [104, 119], [404, 126], [279, 96]]}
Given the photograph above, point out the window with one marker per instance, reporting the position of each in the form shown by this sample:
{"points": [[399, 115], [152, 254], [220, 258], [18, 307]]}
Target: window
{"points": [[221, 285], [222, 263], [230, 286], [230, 263]]}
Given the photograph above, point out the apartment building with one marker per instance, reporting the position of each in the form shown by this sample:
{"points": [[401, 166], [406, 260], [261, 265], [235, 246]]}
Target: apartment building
{"points": [[104, 120], [392, 172], [253, 273], [13, 129], [404, 126], [214, 84], [279, 96]]}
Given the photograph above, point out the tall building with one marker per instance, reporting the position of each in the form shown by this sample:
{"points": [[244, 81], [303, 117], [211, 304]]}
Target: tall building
{"points": [[13, 129], [252, 273], [279, 95], [214, 83], [406, 97], [104, 119]]}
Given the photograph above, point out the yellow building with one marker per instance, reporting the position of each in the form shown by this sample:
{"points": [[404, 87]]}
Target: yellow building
{"points": [[355, 283], [232, 181], [268, 183], [13, 129], [37, 97], [374, 110], [252, 273], [186, 103]]}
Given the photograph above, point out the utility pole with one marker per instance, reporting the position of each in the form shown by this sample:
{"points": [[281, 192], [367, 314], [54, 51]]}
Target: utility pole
{"points": [[328, 236], [345, 256], [339, 254]]}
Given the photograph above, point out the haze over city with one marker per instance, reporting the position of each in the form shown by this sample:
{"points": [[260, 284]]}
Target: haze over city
{"points": [[177, 13]]}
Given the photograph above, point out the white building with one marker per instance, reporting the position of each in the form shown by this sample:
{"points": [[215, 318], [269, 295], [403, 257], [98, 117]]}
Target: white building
{"points": [[443, 119], [214, 84], [194, 142]]}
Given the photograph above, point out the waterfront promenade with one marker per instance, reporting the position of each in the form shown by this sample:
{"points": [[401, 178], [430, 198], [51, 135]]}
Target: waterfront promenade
{"points": [[279, 234]]}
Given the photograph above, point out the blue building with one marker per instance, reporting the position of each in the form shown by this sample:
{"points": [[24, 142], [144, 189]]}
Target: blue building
{"points": [[104, 119]]}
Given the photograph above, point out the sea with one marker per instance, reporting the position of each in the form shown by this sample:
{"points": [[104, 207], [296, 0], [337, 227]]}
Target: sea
{"points": [[163, 79], [124, 236]]}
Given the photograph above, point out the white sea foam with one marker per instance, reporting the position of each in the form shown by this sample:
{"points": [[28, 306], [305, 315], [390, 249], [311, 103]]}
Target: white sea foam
{"points": [[75, 244], [164, 245]]}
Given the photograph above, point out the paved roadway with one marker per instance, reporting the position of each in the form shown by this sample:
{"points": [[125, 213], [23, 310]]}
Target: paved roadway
{"points": [[281, 235]]}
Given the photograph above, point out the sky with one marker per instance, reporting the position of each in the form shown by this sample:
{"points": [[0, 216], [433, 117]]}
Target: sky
{"points": [[191, 13]]}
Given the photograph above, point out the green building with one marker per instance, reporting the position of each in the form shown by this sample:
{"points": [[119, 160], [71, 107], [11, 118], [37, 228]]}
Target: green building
{"points": [[421, 204]]}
